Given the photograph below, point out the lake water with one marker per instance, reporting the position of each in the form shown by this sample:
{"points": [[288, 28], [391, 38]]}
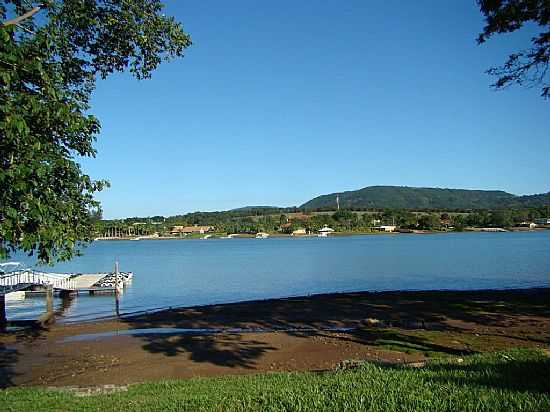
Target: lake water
{"points": [[194, 272]]}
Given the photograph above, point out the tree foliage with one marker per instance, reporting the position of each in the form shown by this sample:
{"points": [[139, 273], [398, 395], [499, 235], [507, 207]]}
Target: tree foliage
{"points": [[526, 67], [49, 62]]}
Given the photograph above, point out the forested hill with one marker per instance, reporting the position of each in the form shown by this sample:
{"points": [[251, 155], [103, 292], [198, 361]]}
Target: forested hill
{"points": [[399, 197], [255, 208]]}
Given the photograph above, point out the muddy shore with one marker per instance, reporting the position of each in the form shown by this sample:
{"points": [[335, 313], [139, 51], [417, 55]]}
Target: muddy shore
{"points": [[306, 333]]}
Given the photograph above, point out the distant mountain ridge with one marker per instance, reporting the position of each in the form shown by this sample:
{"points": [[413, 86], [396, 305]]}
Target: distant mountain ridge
{"points": [[249, 208], [404, 197]]}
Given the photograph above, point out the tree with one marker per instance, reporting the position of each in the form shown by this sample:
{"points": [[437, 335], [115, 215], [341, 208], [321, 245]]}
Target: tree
{"points": [[50, 57], [519, 216], [478, 219], [429, 222], [407, 219], [344, 218], [459, 223], [96, 215], [527, 67], [501, 218]]}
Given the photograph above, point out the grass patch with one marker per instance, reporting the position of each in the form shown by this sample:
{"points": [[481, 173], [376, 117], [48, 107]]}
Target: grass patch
{"points": [[517, 380], [430, 343]]}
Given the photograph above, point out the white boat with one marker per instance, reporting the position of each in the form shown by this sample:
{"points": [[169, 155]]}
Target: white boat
{"points": [[206, 237], [10, 265], [262, 235], [324, 232]]}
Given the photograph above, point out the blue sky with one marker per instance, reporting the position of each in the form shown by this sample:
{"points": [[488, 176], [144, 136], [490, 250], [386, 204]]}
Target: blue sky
{"points": [[278, 102]]}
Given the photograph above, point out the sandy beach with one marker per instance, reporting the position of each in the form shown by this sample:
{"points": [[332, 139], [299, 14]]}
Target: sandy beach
{"points": [[306, 333]]}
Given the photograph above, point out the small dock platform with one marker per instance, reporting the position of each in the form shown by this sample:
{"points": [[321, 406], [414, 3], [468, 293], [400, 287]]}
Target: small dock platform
{"points": [[85, 281]]}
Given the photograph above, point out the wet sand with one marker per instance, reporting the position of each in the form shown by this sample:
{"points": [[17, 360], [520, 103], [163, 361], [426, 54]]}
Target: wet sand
{"points": [[292, 334]]}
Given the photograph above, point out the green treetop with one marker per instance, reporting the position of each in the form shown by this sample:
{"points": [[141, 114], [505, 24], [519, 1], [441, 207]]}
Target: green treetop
{"points": [[50, 57]]}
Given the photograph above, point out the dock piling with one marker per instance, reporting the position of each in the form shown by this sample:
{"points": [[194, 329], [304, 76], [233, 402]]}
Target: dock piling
{"points": [[49, 299], [117, 291], [48, 316], [3, 316]]}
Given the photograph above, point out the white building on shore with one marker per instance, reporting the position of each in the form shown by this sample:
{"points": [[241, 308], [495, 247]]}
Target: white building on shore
{"points": [[385, 228], [325, 231]]}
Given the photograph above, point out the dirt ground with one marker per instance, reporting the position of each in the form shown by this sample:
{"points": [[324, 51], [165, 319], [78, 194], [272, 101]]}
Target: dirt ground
{"points": [[281, 335]]}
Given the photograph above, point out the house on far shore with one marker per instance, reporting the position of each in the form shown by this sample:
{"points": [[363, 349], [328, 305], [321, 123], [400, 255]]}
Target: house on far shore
{"points": [[325, 231], [179, 230], [529, 225], [299, 232], [543, 221], [385, 228]]}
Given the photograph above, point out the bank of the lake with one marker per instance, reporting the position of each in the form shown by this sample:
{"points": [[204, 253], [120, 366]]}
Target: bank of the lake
{"points": [[296, 334]]}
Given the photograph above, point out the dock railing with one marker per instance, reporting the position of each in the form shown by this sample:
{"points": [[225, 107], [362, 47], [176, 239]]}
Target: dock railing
{"points": [[17, 279]]}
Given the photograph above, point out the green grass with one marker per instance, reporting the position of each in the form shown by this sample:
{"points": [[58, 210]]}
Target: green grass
{"points": [[517, 380]]}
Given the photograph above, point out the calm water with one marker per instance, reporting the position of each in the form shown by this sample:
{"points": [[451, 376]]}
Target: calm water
{"points": [[190, 272]]}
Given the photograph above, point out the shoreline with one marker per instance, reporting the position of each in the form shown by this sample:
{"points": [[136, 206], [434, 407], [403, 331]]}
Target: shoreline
{"points": [[322, 295], [304, 333], [339, 234], [376, 295]]}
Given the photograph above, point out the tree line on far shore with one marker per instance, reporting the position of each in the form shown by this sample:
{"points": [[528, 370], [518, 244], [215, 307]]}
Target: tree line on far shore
{"points": [[286, 221]]}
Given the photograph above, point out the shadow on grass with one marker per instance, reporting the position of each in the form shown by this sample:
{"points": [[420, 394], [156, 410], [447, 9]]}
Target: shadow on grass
{"points": [[394, 340], [531, 375]]}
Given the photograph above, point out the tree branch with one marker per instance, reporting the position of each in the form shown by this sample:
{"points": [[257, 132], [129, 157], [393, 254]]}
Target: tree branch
{"points": [[25, 16]]}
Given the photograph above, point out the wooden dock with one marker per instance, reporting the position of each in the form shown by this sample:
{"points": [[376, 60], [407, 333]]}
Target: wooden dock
{"points": [[46, 284]]}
